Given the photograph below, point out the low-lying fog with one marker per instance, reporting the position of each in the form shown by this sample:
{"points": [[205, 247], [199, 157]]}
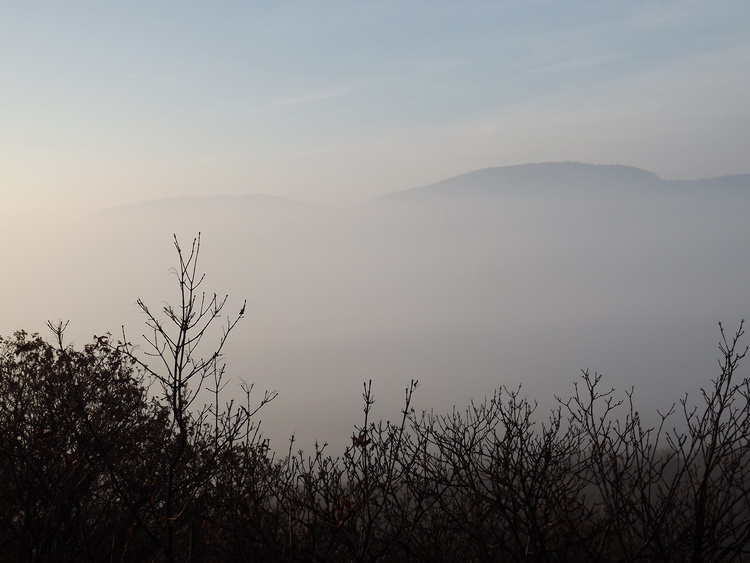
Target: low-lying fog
{"points": [[464, 288]]}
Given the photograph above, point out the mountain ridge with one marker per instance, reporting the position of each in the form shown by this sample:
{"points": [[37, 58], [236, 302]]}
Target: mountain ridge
{"points": [[557, 175], [528, 178]]}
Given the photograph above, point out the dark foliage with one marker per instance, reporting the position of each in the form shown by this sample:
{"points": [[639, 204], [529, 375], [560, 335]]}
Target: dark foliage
{"points": [[107, 456], [78, 436]]}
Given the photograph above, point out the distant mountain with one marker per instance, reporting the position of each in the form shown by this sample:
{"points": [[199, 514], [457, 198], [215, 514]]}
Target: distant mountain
{"points": [[556, 177], [734, 182], [539, 179], [190, 205]]}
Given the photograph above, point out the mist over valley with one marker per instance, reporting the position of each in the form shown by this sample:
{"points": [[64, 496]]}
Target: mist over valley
{"points": [[510, 276]]}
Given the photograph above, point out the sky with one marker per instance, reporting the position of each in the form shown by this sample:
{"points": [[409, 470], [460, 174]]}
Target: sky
{"points": [[104, 104], [334, 103]]}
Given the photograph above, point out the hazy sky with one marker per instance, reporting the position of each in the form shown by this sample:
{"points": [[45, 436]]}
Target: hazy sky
{"points": [[337, 102], [110, 103]]}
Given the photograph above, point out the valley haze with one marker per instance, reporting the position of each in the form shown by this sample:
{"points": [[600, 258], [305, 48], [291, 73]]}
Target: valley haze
{"points": [[517, 275]]}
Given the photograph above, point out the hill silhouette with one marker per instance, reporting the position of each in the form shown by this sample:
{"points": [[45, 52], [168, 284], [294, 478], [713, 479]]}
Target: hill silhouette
{"points": [[557, 178], [534, 179]]}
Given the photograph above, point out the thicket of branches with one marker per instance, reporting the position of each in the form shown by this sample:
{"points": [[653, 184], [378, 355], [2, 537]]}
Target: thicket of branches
{"points": [[112, 453]]}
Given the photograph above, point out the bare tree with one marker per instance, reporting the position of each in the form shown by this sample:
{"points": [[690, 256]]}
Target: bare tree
{"points": [[119, 453], [189, 367]]}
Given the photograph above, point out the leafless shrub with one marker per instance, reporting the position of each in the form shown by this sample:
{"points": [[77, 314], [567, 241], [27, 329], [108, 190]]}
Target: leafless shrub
{"points": [[114, 453]]}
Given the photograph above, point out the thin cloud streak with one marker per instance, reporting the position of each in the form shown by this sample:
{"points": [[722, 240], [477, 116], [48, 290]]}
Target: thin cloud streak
{"points": [[305, 100]]}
